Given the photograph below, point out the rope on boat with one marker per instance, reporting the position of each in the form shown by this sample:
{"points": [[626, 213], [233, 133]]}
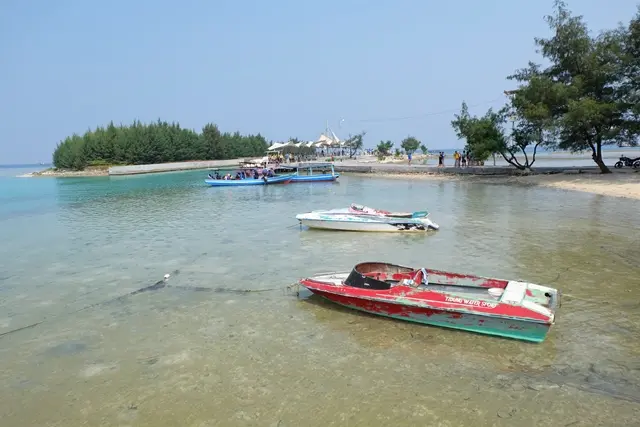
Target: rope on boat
{"points": [[233, 290]]}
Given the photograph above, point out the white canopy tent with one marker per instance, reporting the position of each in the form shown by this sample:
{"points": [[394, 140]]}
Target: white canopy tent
{"points": [[275, 147], [278, 146], [327, 140]]}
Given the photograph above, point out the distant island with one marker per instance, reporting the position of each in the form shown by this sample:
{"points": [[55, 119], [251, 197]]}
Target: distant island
{"points": [[158, 142]]}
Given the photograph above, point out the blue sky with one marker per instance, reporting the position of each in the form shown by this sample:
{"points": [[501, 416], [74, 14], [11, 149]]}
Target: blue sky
{"points": [[281, 68]]}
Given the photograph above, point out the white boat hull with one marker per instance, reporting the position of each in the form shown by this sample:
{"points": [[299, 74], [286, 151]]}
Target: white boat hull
{"points": [[358, 223]]}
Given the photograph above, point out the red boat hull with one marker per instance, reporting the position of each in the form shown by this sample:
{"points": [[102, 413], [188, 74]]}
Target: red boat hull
{"points": [[500, 307], [509, 328]]}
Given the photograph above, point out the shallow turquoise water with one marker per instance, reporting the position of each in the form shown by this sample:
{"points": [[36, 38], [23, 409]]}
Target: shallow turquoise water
{"points": [[73, 249]]}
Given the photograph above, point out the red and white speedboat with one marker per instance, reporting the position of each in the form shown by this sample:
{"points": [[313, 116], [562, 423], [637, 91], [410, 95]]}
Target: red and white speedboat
{"points": [[355, 209], [362, 218], [506, 308], [365, 210]]}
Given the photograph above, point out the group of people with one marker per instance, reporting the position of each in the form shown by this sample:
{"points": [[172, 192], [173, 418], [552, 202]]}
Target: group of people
{"points": [[279, 158], [462, 160], [253, 173]]}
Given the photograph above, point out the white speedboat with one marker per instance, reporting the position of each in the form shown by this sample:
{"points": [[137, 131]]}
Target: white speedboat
{"points": [[334, 220], [355, 209]]}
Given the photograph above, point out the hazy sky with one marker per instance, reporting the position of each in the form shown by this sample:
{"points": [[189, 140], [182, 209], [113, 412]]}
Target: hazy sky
{"points": [[281, 68]]}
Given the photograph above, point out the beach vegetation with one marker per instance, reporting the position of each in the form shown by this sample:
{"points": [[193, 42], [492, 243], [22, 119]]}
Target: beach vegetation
{"points": [[585, 98], [629, 89], [484, 135], [383, 149], [354, 143], [583, 81], [157, 142], [410, 144]]}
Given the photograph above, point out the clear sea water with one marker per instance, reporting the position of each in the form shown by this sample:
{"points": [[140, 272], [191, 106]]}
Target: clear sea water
{"points": [[196, 353]]}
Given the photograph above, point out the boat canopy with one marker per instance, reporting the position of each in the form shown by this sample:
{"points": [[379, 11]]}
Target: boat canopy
{"points": [[315, 164]]}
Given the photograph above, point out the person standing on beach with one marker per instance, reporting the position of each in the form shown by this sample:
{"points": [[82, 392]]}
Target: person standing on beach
{"points": [[409, 156], [463, 159], [456, 159]]}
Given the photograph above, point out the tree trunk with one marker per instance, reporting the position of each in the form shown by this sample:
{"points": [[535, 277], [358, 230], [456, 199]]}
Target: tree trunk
{"points": [[512, 161], [597, 157], [603, 168]]}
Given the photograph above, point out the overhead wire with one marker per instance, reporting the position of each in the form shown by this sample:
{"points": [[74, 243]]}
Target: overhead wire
{"points": [[419, 116]]}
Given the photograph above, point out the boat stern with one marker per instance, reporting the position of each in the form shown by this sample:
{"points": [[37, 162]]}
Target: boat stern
{"points": [[428, 223], [542, 301]]}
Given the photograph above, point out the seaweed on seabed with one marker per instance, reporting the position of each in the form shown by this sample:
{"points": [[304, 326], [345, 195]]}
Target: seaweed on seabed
{"points": [[160, 284], [156, 286]]}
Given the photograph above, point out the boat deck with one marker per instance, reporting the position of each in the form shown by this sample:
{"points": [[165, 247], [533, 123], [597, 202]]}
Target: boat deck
{"points": [[474, 292], [466, 287]]}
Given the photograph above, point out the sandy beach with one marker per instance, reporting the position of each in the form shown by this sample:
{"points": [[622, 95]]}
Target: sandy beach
{"points": [[614, 184], [61, 173], [618, 184]]}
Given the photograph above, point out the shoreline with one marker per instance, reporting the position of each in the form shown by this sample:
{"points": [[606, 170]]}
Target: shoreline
{"points": [[623, 183], [363, 165], [53, 173], [617, 184], [125, 170]]}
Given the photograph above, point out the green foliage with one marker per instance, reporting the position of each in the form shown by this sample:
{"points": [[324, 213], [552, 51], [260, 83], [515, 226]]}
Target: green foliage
{"points": [[398, 153], [588, 113], [424, 149], [72, 154], [629, 89], [158, 142], [484, 135], [410, 144], [354, 143], [384, 148], [587, 97]]}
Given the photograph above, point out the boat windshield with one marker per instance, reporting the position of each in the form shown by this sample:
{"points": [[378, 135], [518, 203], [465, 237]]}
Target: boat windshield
{"points": [[381, 276]]}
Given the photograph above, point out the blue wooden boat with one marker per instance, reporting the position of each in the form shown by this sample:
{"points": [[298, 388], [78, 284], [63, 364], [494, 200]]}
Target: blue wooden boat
{"points": [[308, 172], [278, 179]]}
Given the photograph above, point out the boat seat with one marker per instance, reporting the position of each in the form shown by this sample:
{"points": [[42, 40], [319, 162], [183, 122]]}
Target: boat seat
{"points": [[421, 277], [514, 292]]}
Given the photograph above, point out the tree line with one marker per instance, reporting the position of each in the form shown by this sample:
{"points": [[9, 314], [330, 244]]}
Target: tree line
{"points": [[410, 144], [587, 97], [158, 142]]}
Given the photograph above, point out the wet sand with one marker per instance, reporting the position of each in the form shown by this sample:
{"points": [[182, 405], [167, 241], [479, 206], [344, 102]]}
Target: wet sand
{"points": [[615, 184], [618, 184]]}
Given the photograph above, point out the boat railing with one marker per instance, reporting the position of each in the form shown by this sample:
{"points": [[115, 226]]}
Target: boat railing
{"points": [[308, 168]]}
